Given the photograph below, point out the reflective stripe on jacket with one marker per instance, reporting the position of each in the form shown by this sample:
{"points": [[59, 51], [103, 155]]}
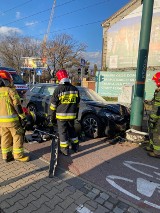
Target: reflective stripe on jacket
{"points": [[9, 100]]}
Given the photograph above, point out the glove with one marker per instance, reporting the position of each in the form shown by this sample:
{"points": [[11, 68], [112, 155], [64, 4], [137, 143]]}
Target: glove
{"points": [[51, 118], [50, 124], [49, 121]]}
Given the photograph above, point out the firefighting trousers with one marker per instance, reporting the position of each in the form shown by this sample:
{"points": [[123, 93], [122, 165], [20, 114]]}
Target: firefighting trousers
{"points": [[66, 132], [12, 141], [154, 133]]}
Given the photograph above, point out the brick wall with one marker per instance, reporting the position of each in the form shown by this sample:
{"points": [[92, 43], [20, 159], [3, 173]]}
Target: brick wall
{"points": [[88, 84]]}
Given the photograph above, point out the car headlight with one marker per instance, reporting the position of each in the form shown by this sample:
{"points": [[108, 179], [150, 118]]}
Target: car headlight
{"points": [[113, 116], [108, 115]]}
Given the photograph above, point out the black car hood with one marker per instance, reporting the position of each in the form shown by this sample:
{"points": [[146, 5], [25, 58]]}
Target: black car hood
{"points": [[114, 108], [100, 104]]}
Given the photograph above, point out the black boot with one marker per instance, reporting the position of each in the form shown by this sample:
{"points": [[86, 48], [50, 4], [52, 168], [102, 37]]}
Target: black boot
{"points": [[64, 150], [9, 157], [115, 140], [75, 147]]}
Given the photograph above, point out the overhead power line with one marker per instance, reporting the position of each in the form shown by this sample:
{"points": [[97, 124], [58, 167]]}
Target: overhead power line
{"points": [[74, 11], [42, 11], [26, 17], [83, 8], [69, 28], [19, 5], [73, 27]]}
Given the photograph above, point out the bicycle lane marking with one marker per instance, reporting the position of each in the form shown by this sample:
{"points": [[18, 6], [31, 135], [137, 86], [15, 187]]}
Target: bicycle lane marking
{"points": [[130, 163], [143, 186]]}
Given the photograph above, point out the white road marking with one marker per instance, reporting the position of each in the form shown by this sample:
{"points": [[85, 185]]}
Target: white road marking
{"points": [[146, 187], [142, 189], [130, 163], [157, 173], [152, 204], [110, 180]]}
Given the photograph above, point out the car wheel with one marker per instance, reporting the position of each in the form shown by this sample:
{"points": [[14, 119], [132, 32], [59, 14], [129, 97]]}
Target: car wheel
{"points": [[92, 126], [32, 109]]}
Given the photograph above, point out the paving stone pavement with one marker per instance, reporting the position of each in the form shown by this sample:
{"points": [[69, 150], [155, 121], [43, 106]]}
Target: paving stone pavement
{"points": [[26, 188]]}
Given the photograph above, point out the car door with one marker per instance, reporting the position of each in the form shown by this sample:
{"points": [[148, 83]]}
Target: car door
{"points": [[46, 96], [34, 95], [83, 106]]}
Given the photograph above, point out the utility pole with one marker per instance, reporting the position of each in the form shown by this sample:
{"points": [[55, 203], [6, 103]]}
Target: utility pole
{"points": [[83, 62], [137, 108], [34, 76], [81, 76]]}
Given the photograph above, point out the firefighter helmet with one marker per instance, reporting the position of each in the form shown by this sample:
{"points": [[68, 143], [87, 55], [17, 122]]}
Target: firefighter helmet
{"points": [[62, 75], [6, 75], [156, 78]]}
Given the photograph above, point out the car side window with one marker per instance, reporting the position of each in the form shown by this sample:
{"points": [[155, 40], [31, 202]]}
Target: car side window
{"points": [[84, 96], [48, 90], [35, 89]]}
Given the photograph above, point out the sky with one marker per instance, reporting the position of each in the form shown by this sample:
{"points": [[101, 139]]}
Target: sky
{"points": [[81, 19]]}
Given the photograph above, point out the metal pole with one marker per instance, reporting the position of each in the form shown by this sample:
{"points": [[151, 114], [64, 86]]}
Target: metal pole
{"points": [[137, 108], [81, 76], [34, 75]]}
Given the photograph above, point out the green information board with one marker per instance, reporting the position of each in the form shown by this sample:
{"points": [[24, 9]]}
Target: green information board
{"points": [[109, 84]]}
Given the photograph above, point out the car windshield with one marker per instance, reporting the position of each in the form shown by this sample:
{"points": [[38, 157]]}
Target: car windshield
{"points": [[90, 95], [17, 79], [48, 90], [35, 89]]}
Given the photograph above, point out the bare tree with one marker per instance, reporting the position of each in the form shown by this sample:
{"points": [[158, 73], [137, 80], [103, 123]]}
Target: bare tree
{"points": [[13, 47], [63, 50]]}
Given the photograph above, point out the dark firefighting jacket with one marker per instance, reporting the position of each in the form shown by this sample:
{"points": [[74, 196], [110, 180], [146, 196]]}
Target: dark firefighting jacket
{"points": [[65, 102], [10, 109], [155, 113], [154, 121]]}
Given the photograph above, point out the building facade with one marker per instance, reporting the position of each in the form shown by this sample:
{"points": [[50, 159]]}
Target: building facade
{"points": [[121, 34]]}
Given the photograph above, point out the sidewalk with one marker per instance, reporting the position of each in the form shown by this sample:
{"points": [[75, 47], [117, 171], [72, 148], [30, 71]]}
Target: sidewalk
{"points": [[25, 188]]}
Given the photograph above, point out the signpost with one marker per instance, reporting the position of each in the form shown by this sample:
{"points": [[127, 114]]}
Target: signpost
{"points": [[35, 65], [83, 62], [39, 73]]}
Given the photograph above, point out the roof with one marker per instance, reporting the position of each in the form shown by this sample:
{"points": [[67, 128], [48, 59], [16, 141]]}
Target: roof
{"points": [[124, 11]]}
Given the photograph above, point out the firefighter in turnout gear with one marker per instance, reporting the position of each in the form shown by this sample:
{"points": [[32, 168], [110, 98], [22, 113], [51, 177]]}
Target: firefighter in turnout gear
{"points": [[11, 113], [64, 107], [154, 121]]}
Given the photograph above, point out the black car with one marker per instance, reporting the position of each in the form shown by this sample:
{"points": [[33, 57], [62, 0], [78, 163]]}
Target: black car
{"points": [[97, 117]]}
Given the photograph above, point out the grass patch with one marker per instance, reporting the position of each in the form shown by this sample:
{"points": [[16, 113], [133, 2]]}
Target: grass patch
{"points": [[110, 98]]}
